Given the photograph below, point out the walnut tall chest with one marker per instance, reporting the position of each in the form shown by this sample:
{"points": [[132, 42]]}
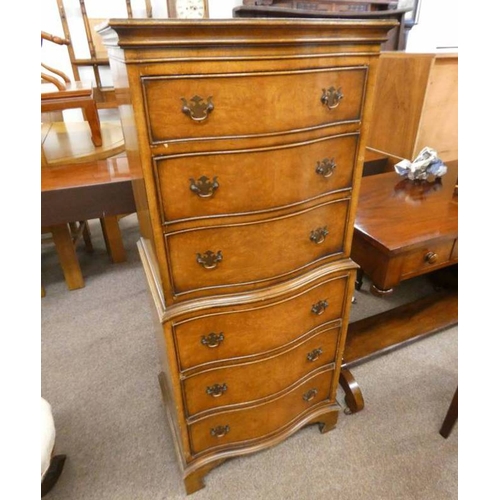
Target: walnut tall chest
{"points": [[247, 139]]}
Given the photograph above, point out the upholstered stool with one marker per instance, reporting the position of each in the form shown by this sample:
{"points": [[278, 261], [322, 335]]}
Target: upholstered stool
{"points": [[52, 466]]}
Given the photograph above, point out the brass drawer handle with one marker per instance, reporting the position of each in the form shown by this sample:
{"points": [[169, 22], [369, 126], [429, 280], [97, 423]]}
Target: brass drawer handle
{"points": [[209, 259], [219, 431], [331, 97], [320, 307], [310, 395], [204, 187], [318, 235], [196, 109], [314, 354], [216, 390], [325, 167], [431, 258], [213, 340]]}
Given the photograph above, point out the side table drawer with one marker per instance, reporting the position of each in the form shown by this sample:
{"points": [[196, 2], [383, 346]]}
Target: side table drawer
{"points": [[423, 259]]}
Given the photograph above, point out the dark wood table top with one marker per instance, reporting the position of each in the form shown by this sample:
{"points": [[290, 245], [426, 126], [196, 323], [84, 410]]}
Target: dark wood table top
{"points": [[267, 11], [396, 214], [82, 191]]}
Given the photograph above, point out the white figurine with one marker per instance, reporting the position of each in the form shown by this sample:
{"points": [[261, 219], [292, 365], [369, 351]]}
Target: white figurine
{"points": [[426, 163]]}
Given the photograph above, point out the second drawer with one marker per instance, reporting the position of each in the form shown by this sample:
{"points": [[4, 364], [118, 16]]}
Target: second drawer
{"points": [[241, 181]]}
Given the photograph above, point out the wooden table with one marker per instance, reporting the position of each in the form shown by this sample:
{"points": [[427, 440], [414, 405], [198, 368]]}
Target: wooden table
{"points": [[403, 229], [99, 189]]}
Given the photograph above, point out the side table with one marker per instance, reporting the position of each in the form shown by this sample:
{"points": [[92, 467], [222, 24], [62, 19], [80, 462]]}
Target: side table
{"points": [[403, 229], [99, 189]]}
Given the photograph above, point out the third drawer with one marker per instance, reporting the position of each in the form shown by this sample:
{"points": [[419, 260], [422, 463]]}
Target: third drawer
{"points": [[254, 251]]}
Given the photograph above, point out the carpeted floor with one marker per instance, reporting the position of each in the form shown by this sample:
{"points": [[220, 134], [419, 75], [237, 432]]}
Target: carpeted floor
{"points": [[99, 372]]}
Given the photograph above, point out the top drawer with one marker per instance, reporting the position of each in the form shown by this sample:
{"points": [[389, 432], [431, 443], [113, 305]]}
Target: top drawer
{"points": [[229, 105]]}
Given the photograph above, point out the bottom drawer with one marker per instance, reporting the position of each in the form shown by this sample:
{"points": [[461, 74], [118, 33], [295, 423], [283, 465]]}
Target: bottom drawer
{"points": [[239, 425]]}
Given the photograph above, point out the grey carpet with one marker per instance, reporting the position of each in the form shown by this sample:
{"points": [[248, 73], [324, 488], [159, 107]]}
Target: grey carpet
{"points": [[99, 372]]}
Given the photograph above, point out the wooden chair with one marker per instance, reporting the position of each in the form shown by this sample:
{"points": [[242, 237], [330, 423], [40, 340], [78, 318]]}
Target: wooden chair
{"points": [[58, 92]]}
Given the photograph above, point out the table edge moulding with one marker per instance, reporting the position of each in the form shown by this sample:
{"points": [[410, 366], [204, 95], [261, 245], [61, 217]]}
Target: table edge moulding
{"points": [[243, 284]]}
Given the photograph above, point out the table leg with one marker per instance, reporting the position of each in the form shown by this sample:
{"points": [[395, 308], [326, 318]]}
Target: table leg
{"points": [[81, 228], [113, 239], [87, 237], [65, 248], [353, 396]]}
